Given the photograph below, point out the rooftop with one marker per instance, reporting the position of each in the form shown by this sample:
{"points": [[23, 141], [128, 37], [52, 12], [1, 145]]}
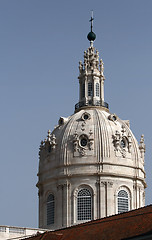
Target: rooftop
{"points": [[120, 226]]}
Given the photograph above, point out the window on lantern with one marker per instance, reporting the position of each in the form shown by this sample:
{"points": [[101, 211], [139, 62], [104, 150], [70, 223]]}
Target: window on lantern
{"points": [[97, 89], [90, 93], [50, 209], [84, 205], [123, 201]]}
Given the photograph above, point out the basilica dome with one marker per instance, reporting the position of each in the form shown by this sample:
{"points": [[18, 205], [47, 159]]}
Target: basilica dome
{"points": [[95, 142], [91, 165]]}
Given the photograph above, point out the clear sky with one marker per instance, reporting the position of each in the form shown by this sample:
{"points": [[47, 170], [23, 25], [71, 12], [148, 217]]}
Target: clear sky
{"points": [[41, 43]]}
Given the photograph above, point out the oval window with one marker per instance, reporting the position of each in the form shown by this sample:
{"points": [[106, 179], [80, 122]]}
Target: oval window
{"points": [[86, 116], [83, 142], [114, 118], [123, 143]]}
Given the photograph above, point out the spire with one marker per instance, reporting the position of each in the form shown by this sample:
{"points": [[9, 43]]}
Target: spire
{"points": [[91, 35], [91, 77]]}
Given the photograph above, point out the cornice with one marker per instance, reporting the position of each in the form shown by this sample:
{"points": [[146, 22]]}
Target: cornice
{"points": [[101, 174], [91, 164]]}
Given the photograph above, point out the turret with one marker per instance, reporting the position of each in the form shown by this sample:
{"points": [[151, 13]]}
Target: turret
{"points": [[91, 77]]}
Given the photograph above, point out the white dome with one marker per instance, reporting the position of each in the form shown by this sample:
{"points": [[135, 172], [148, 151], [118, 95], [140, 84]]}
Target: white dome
{"points": [[95, 141], [91, 165]]}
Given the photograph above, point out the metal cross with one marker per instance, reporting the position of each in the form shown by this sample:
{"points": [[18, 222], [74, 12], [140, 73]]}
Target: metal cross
{"points": [[91, 20]]}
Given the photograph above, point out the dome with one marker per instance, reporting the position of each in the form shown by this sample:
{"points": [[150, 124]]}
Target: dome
{"points": [[94, 142], [91, 165], [92, 151]]}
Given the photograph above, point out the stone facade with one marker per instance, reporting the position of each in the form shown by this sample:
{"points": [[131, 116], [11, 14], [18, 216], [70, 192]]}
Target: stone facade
{"points": [[92, 150]]}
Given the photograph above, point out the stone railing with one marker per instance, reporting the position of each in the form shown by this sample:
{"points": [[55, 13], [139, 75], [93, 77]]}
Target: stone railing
{"points": [[9, 232]]}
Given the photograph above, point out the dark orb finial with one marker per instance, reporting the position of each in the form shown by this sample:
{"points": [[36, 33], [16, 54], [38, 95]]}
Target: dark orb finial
{"points": [[91, 35]]}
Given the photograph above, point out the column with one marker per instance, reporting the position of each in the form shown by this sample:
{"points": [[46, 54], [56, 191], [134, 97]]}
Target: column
{"points": [[102, 89], [134, 198], [59, 210], [103, 199], [86, 88], [138, 196], [41, 208], [98, 199], [93, 90], [66, 186], [110, 199]]}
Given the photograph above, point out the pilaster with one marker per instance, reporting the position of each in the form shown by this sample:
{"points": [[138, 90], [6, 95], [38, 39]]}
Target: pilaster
{"points": [[86, 89], [60, 220], [98, 199], [135, 195], [66, 202], [110, 198], [102, 90], [103, 197]]}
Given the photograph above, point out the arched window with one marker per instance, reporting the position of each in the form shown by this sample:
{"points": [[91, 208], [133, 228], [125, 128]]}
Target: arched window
{"points": [[90, 89], [84, 205], [123, 201], [97, 89], [50, 209]]}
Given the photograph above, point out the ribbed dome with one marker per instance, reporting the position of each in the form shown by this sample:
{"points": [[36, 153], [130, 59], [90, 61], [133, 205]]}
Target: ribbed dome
{"points": [[94, 140]]}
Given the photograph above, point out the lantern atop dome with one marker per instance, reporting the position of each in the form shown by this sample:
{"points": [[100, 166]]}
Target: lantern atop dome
{"points": [[91, 77]]}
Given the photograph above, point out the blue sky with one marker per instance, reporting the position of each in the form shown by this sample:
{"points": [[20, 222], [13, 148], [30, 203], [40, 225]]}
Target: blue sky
{"points": [[41, 43]]}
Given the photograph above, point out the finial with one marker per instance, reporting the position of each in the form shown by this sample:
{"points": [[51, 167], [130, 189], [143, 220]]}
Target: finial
{"points": [[142, 147], [49, 135], [91, 35]]}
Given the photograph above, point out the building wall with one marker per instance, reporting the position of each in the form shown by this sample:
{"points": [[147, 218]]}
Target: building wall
{"points": [[9, 232]]}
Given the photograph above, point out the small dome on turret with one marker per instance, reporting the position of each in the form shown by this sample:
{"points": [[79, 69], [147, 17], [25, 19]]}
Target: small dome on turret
{"points": [[91, 36]]}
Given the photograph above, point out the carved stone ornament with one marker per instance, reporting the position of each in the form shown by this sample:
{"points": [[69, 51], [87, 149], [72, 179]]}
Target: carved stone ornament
{"points": [[83, 126], [83, 144], [82, 151], [110, 184], [122, 142], [142, 147], [53, 141], [75, 142], [63, 185], [48, 144], [80, 67], [103, 184], [91, 140], [62, 121]]}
